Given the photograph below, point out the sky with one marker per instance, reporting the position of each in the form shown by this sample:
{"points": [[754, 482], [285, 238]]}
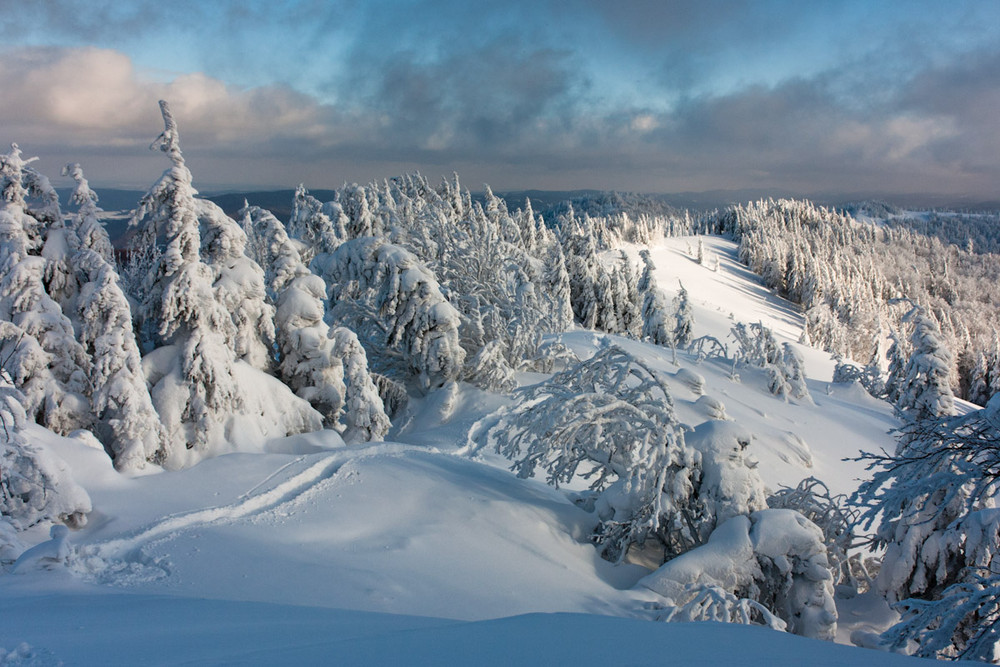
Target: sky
{"points": [[895, 96]]}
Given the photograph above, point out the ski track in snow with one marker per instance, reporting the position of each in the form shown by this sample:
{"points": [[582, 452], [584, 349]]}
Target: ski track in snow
{"points": [[248, 505]]}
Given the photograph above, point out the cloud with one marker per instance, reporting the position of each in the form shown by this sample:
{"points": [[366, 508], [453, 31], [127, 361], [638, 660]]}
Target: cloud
{"points": [[87, 101], [505, 112]]}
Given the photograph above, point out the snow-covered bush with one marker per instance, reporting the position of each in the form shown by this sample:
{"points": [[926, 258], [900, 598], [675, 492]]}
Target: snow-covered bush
{"points": [[707, 602], [489, 369], [729, 484], [609, 419], [870, 377], [784, 365], [775, 557], [757, 346], [34, 486], [708, 347], [832, 515]]}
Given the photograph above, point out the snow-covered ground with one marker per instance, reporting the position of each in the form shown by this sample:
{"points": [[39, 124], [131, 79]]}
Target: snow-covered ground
{"points": [[426, 549]]}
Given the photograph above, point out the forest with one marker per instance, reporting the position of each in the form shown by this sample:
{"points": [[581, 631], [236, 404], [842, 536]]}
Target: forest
{"points": [[208, 334]]}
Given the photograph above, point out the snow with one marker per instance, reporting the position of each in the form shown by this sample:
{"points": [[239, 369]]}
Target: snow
{"points": [[426, 549]]}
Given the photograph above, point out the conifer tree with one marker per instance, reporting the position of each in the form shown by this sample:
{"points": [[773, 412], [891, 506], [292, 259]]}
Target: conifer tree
{"points": [[127, 422], [61, 402], [924, 386], [684, 318], [181, 302]]}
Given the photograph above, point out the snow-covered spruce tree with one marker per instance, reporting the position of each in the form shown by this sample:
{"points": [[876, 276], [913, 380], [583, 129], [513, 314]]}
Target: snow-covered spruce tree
{"points": [[924, 386], [58, 394], [896, 362], [684, 319], [364, 416], [239, 286], [34, 486], [979, 381], [556, 287], [307, 362], [126, 420], [328, 369], [396, 304], [793, 368], [319, 234], [29, 368], [941, 479], [657, 322], [87, 224], [630, 306], [13, 198], [127, 423], [273, 249], [181, 303], [934, 500]]}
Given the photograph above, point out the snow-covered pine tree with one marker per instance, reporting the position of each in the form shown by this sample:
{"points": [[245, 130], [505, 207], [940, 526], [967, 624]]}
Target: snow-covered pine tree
{"points": [[239, 286], [309, 224], [924, 387], [934, 504], [398, 305], [328, 369], [127, 423], [657, 323], [58, 399], [181, 302], [684, 319], [89, 230], [364, 418]]}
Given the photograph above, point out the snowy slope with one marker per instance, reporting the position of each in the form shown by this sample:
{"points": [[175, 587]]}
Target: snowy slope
{"points": [[272, 556]]}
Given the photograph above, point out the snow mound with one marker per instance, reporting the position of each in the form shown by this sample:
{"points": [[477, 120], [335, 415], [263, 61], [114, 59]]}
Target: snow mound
{"points": [[711, 407], [693, 381]]}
